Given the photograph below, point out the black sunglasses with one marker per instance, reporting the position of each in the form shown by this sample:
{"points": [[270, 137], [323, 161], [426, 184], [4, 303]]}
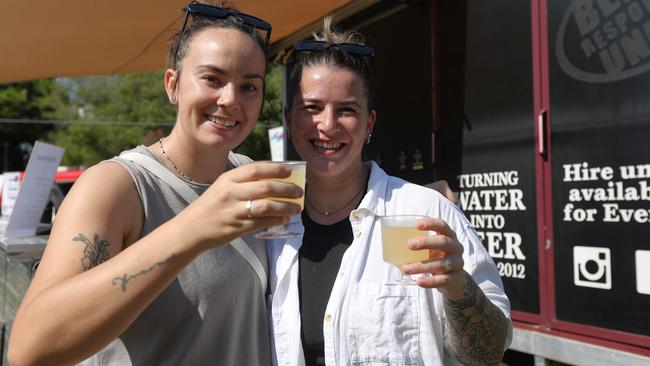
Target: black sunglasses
{"points": [[351, 48], [222, 13]]}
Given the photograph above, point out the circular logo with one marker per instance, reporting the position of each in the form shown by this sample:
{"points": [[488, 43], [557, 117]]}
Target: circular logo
{"points": [[604, 41]]}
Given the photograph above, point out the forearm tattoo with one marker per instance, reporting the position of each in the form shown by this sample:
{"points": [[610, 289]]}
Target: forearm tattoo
{"points": [[477, 328], [95, 252], [124, 280]]}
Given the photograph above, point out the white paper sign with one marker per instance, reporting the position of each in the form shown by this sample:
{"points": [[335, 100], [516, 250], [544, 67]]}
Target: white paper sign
{"points": [[10, 189], [34, 190], [276, 143]]}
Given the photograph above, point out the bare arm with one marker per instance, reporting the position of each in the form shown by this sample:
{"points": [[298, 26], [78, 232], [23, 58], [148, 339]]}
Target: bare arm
{"points": [[97, 275], [477, 328], [75, 278]]}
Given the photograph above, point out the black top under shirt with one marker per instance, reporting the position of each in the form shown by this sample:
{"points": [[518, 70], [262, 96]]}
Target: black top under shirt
{"points": [[319, 260]]}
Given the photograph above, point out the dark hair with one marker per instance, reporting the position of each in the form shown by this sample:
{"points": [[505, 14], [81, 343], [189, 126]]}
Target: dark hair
{"points": [[181, 40], [360, 65]]}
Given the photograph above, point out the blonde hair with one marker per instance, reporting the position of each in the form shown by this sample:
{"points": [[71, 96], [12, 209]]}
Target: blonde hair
{"points": [[360, 65], [330, 34]]}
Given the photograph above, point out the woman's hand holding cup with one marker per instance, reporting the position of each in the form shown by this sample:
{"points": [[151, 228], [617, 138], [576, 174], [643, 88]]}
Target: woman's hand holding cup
{"points": [[445, 264]]}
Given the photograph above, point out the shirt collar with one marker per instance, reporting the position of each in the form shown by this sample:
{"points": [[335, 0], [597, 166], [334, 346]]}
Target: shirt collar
{"points": [[374, 200]]}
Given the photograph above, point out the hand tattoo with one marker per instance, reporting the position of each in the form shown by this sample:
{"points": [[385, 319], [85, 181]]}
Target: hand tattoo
{"points": [[95, 252], [477, 328], [124, 280]]}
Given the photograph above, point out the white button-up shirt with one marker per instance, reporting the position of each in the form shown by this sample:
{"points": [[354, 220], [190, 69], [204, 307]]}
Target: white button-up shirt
{"points": [[370, 320]]}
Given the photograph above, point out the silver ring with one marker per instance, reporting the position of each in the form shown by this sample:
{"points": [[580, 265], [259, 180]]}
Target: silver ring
{"points": [[448, 264], [249, 206]]}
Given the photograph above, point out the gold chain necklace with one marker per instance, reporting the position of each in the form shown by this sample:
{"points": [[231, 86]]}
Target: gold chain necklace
{"points": [[327, 213], [162, 149]]}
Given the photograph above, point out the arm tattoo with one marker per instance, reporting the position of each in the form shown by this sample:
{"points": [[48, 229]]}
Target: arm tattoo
{"points": [[124, 280], [95, 252], [477, 328]]}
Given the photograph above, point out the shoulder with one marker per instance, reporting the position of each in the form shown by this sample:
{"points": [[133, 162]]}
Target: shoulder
{"points": [[395, 185], [400, 195], [109, 174], [404, 192], [406, 197], [103, 190], [104, 200]]}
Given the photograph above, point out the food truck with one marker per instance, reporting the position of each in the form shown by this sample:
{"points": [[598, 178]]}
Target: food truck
{"points": [[538, 114]]}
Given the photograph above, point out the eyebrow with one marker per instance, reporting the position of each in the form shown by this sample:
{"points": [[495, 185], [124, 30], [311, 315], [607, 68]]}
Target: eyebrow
{"points": [[224, 72], [343, 102]]}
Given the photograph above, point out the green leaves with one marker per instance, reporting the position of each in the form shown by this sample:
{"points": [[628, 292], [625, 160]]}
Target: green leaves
{"points": [[97, 117], [29, 100], [108, 114]]}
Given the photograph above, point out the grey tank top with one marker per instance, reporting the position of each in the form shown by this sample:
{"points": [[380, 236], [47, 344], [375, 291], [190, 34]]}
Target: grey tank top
{"points": [[213, 313]]}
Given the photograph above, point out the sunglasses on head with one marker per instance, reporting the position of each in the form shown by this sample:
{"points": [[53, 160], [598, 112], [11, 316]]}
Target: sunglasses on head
{"points": [[222, 13], [351, 48]]}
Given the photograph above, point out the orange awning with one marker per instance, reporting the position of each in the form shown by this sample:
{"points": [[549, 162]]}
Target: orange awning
{"points": [[43, 38]]}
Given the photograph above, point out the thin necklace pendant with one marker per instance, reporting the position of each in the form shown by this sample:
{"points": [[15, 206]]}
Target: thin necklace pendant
{"points": [[327, 213], [178, 171]]}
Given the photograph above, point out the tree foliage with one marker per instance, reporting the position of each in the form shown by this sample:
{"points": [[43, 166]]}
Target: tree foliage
{"points": [[99, 116], [108, 114], [28, 100], [105, 103]]}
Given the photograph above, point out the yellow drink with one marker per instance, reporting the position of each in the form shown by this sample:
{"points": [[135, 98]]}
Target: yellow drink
{"points": [[395, 233], [297, 177]]}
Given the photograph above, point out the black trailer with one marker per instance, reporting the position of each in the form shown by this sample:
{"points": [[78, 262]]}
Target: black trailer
{"points": [[538, 113]]}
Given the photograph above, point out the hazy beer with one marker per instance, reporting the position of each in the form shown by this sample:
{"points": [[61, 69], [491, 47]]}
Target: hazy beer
{"points": [[297, 177], [395, 234]]}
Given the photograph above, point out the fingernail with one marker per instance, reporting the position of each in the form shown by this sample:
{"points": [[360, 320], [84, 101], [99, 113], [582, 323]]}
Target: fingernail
{"points": [[406, 269], [413, 243]]}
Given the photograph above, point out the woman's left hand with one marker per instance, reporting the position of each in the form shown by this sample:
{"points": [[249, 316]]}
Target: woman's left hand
{"points": [[445, 264]]}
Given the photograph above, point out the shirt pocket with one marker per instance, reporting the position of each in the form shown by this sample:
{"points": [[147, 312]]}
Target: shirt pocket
{"points": [[383, 324]]}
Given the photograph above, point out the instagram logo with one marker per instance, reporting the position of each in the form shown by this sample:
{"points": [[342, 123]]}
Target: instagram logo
{"points": [[592, 267]]}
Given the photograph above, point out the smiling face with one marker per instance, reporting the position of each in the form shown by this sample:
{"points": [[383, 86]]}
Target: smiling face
{"points": [[329, 120], [220, 92]]}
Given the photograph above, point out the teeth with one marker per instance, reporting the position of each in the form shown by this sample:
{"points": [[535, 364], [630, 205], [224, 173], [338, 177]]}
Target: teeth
{"points": [[222, 122], [325, 145]]}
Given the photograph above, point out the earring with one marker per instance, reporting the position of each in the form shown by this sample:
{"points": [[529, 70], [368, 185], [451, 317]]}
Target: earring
{"points": [[368, 139]]}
